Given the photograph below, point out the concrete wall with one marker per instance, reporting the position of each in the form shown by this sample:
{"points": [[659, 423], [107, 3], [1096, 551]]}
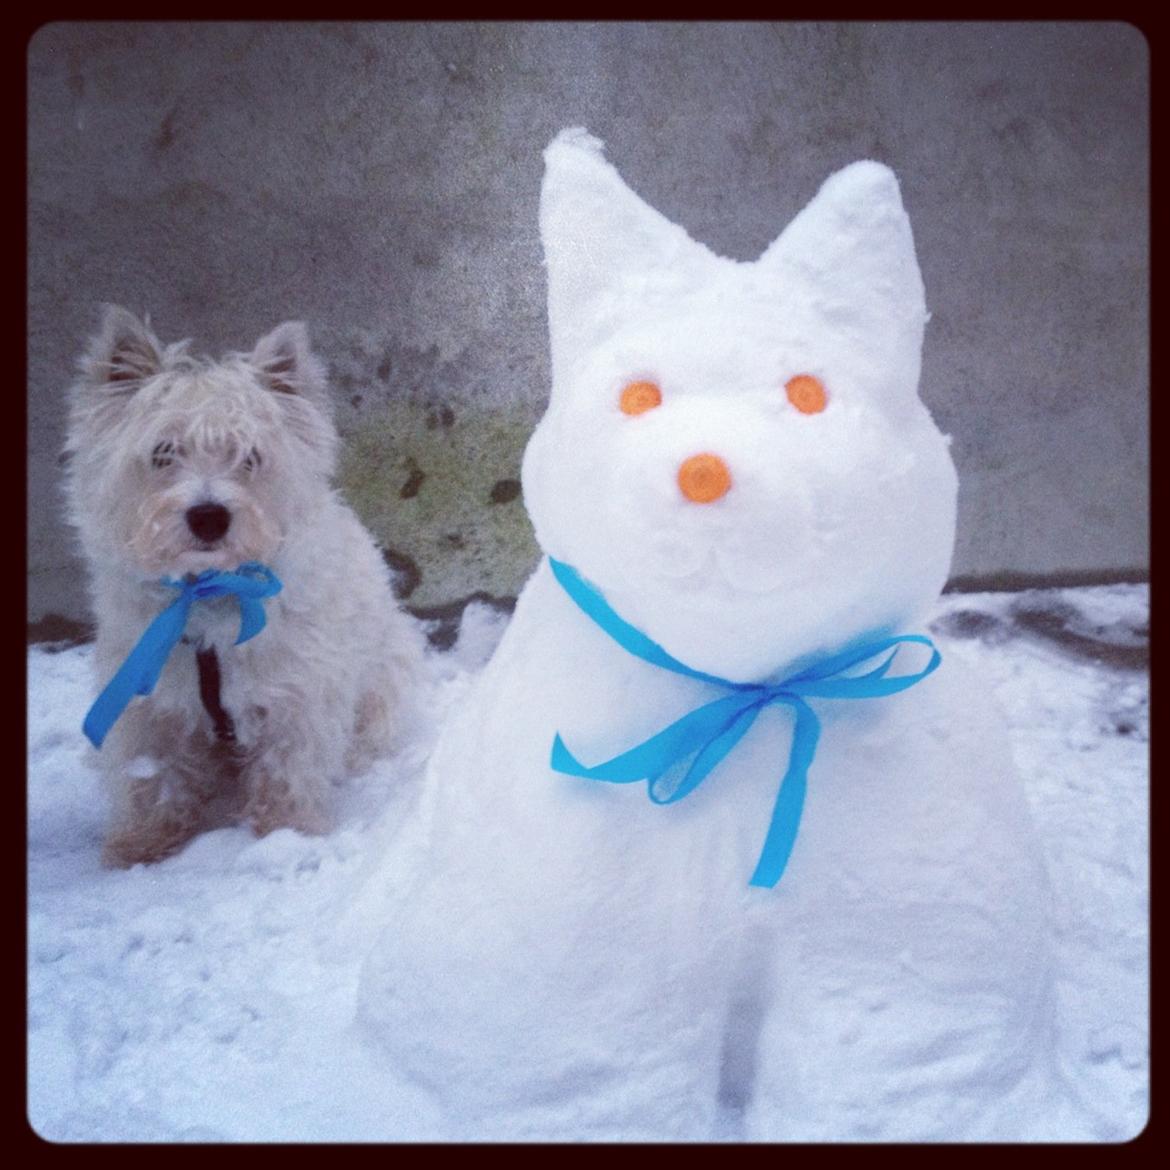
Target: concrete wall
{"points": [[381, 180]]}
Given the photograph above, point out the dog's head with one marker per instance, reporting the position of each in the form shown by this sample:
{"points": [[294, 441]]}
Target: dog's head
{"points": [[180, 464]]}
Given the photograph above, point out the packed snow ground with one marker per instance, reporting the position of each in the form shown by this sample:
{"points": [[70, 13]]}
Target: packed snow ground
{"points": [[211, 997]]}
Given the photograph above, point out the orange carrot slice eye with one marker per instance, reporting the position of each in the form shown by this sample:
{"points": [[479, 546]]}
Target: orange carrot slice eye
{"points": [[807, 393], [639, 397]]}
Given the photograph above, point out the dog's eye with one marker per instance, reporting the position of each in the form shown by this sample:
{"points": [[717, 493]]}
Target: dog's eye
{"points": [[253, 460], [164, 454]]}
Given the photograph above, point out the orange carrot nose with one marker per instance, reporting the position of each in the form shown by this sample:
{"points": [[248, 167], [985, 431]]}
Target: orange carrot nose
{"points": [[703, 478]]}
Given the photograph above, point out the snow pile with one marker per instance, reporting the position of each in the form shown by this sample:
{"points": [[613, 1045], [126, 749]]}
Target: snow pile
{"points": [[211, 997]]}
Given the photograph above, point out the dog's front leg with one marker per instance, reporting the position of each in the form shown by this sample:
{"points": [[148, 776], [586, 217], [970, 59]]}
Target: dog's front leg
{"points": [[157, 774]]}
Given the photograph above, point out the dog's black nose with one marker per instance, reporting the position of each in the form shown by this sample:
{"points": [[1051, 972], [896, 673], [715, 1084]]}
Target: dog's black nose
{"points": [[208, 521]]}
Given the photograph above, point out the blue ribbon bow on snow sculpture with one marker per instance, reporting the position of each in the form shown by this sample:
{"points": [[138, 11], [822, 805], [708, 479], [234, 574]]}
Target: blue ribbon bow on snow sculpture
{"points": [[711, 731], [250, 583]]}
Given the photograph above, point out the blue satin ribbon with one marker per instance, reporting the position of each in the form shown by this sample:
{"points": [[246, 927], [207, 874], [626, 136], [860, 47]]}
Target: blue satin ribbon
{"points": [[250, 583], [708, 733]]}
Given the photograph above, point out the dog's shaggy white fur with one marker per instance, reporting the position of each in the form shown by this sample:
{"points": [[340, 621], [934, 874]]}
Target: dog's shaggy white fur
{"points": [[178, 465]]}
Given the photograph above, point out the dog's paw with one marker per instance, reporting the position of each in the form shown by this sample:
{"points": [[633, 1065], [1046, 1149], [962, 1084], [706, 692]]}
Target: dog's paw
{"points": [[147, 842], [275, 804]]}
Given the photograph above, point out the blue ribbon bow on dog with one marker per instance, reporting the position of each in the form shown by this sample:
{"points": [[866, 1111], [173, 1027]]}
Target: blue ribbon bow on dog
{"points": [[710, 732], [250, 583]]}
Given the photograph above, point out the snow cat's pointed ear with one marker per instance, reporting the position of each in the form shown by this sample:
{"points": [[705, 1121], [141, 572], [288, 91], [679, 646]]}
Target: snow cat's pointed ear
{"points": [[603, 245], [852, 249]]}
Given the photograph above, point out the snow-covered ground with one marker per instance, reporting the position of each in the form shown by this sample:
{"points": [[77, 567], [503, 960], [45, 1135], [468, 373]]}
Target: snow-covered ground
{"points": [[211, 997]]}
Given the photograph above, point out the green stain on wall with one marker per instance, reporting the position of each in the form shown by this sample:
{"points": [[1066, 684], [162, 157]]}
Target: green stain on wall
{"points": [[439, 484]]}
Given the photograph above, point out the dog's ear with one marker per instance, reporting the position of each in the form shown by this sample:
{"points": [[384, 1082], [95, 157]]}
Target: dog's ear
{"points": [[287, 364], [123, 353]]}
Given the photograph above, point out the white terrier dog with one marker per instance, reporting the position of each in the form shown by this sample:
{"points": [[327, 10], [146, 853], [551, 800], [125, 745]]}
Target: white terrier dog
{"points": [[183, 467]]}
